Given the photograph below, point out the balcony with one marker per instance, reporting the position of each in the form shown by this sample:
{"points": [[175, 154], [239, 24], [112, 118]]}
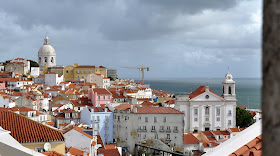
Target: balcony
{"points": [[144, 130], [175, 131], [153, 130], [168, 131], [161, 130], [139, 130]]}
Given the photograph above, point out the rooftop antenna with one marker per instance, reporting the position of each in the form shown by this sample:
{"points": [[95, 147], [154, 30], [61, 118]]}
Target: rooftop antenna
{"points": [[228, 69]]}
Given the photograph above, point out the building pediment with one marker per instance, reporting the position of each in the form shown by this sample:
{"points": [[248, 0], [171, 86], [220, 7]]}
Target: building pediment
{"points": [[207, 96]]}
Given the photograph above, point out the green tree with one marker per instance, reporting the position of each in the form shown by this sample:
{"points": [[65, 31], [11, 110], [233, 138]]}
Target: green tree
{"points": [[33, 63], [243, 117]]}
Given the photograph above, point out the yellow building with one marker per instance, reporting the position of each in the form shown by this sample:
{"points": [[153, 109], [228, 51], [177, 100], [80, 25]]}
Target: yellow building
{"points": [[32, 134], [79, 72]]}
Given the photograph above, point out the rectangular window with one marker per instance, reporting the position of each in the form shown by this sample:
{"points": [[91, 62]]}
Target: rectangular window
{"points": [[78, 71], [139, 117], [155, 119], [218, 112], [168, 128], [98, 97], [146, 119], [195, 119], [87, 71], [114, 116], [82, 71], [168, 136], [229, 113], [71, 71], [103, 97], [218, 119], [162, 128], [108, 97], [206, 119], [207, 110], [164, 119], [229, 122], [153, 127], [119, 118], [195, 111], [144, 128], [176, 128]]}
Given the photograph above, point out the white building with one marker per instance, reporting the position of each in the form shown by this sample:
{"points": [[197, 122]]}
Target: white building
{"points": [[52, 79], [204, 110], [35, 71], [140, 124], [46, 54]]}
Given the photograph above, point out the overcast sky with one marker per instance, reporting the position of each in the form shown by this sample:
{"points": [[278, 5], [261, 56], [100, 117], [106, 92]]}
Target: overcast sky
{"points": [[175, 38]]}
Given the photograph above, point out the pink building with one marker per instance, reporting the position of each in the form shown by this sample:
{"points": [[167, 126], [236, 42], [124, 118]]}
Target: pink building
{"points": [[2, 85], [99, 96]]}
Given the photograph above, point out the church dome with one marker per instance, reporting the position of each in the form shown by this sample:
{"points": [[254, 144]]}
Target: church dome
{"points": [[46, 49], [228, 78]]}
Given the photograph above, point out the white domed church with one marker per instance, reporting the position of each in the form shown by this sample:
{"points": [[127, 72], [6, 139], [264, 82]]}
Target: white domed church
{"points": [[46, 55]]}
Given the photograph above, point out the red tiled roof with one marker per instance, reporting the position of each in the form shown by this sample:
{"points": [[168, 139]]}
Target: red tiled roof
{"points": [[101, 91], [144, 99], [75, 151], [108, 152], [99, 140], [206, 144], [52, 153], [110, 146], [25, 130], [85, 66], [157, 110], [190, 139], [221, 132], [123, 107], [199, 91], [148, 104], [40, 77], [243, 107], [252, 148], [25, 109], [234, 129]]}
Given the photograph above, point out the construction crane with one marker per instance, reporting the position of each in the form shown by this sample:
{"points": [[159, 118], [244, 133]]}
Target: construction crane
{"points": [[141, 69]]}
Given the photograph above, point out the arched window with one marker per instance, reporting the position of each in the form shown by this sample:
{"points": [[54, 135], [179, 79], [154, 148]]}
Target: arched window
{"points": [[46, 59], [52, 59], [39, 59], [229, 90], [78, 77]]}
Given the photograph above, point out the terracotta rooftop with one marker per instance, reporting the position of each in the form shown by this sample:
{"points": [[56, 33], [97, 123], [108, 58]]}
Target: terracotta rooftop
{"points": [[85, 66], [75, 151], [124, 107], [101, 91], [252, 148], [199, 91], [52, 153], [110, 146], [190, 139], [221, 132], [148, 104], [40, 77], [25, 130], [108, 152], [157, 110]]}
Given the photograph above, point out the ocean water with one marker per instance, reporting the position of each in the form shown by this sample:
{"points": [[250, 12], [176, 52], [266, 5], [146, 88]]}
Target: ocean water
{"points": [[247, 90]]}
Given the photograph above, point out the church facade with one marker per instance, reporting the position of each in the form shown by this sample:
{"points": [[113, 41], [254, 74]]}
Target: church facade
{"points": [[205, 110]]}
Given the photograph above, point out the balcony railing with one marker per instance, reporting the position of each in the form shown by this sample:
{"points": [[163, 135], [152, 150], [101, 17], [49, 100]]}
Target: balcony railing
{"points": [[153, 130], [144, 130], [175, 131], [161, 130], [139, 130], [168, 130]]}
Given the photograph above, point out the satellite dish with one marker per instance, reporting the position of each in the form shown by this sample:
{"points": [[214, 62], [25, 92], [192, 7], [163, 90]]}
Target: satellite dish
{"points": [[47, 146]]}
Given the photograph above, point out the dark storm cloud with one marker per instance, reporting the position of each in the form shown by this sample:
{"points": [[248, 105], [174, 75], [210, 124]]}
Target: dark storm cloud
{"points": [[164, 34]]}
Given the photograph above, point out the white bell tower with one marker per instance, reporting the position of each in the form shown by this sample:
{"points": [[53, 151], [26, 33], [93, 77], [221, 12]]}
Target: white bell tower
{"points": [[229, 87]]}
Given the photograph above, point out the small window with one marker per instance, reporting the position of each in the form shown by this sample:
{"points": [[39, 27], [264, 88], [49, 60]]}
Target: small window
{"points": [[195, 119], [164, 119], [103, 97], [67, 71], [46, 59], [218, 118], [146, 119], [139, 117], [52, 60], [98, 97], [218, 112], [155, 119], [206, 110], [195, 111]]}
